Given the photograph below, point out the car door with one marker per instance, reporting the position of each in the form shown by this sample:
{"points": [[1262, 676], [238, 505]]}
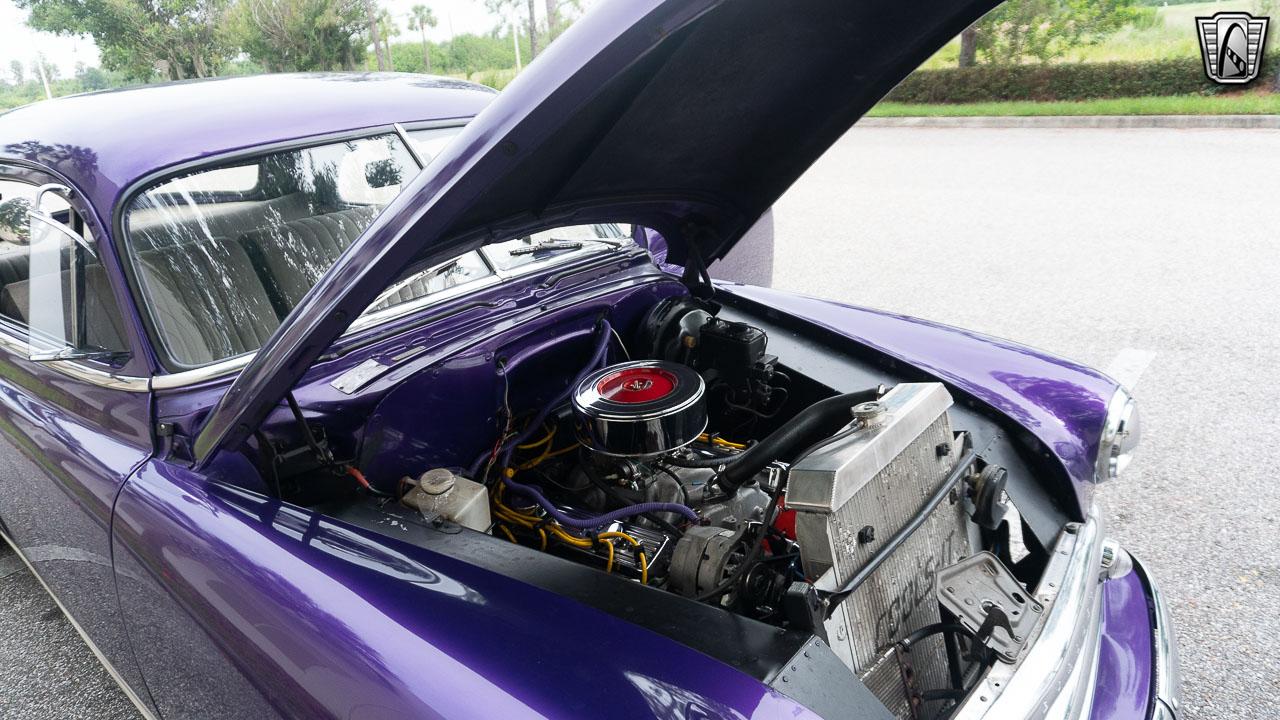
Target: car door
{"points": [[73, 425]]}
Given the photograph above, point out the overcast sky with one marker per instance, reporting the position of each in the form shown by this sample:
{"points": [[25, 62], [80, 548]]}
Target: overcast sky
{"points": [[19, 42]]}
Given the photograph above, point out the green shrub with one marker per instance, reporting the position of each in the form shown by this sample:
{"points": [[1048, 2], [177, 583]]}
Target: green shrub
{"points": [[1075, 81]]}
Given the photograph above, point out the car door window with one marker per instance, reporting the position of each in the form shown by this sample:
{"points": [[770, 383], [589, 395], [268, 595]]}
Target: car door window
{"points": [[54, 291]]}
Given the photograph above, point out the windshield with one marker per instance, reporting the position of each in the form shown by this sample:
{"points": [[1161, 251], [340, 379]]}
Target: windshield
{"points": [[224, 253]]}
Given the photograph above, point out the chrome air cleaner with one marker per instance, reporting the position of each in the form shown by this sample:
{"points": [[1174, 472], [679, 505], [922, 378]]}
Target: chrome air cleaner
{"points": [[645, 407]]}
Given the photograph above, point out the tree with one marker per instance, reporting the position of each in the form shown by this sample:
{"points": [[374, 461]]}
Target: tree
{"points": [[299, 35], [372, 19], [422, 18], [181, 38], [387, 29], [969, 46], [505, 8], [17, 71], [533, 30], [553, 19], [1044, 29], [91, 78]]}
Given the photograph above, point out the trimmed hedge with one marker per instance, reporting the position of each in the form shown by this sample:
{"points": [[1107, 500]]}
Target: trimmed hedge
{"points": [[1076, 81]]}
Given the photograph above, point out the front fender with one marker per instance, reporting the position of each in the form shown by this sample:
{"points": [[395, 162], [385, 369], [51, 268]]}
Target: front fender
{"points": [[1061, 403], [242, 606]]}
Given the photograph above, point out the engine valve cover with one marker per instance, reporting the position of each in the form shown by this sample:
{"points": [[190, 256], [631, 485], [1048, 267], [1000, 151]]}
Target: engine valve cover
{"points": [[640, 408]]}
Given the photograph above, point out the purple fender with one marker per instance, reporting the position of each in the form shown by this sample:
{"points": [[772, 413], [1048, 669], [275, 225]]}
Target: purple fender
{"points": [[315, 618], [1125, 654], [1060, 402]]}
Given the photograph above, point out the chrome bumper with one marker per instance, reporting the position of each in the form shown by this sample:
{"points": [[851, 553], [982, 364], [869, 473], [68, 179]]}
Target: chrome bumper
{"points": [[1055, 677], [1168, 678]]}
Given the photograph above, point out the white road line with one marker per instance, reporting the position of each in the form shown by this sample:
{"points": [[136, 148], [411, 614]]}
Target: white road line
{"points": [[1128, 365]]}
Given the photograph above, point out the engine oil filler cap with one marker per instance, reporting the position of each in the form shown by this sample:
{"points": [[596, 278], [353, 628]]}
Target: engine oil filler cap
{"points": [[640, 408]]}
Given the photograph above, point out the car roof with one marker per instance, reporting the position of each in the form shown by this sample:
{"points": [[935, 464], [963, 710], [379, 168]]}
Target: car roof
{"points": [[102, 142]]}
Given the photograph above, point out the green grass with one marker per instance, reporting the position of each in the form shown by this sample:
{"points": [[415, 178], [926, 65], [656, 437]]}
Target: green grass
{"points": [[1171, 35], [1232, 104]]}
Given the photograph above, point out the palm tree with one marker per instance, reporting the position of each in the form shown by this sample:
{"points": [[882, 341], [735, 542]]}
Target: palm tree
{"points": [[422, 18], [387, 29]]}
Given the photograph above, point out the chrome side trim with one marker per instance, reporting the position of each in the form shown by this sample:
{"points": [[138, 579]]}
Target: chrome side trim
{"points": [[81, 372], [1165, 663], [93, 376], [195, 376], [1055, 676], [111, 670]]}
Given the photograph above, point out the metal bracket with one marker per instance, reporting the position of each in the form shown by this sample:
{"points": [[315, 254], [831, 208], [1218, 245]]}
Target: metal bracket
{"points": [[989, 601]]}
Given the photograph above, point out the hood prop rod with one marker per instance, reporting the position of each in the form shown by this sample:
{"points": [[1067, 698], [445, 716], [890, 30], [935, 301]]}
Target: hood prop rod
{"points": [[323, 454], [696, 277]]}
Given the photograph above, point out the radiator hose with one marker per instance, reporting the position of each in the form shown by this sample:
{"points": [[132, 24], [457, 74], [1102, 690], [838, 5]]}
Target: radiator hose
{"points": [[786, 443]]}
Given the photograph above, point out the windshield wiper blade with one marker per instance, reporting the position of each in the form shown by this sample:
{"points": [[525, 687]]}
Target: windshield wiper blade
{"points": [[554, 244], [546, 246]]}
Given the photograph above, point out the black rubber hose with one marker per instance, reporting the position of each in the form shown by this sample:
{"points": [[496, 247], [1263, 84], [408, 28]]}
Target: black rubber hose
{"points": [[701, 462], [800, 432]]}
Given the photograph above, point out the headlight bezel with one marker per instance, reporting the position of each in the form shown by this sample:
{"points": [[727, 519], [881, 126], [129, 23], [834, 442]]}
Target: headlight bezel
{"points": [[1121, 434]]}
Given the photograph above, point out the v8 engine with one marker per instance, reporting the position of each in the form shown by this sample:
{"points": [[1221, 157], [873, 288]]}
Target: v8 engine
{"points": [[709, 469]]}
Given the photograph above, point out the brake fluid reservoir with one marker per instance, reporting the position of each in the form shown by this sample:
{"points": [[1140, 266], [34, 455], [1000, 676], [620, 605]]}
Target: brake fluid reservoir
{"points": [[440, 493]]}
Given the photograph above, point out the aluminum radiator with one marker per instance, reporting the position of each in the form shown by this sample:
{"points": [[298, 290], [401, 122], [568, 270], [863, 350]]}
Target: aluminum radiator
{"points": [[851, 496]]}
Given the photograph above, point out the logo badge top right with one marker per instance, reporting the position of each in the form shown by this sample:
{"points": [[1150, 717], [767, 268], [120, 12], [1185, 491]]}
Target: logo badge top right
{"points": [[1231, 44]]}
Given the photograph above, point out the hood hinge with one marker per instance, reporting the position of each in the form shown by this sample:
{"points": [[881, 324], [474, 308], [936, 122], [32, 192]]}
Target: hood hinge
{"points": [[696, 277]]}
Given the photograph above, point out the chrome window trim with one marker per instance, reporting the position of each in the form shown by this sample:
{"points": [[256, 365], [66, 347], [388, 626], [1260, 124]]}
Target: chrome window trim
{"points": [[195, 376], [77, 370], [222, 368], [408, 143]]}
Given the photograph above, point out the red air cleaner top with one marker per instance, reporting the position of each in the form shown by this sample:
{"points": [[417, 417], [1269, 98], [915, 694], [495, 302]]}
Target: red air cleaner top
{"points": [[633, 385], [640, 408]]}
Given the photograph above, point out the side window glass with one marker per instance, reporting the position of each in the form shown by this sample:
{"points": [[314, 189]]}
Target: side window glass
{"points": [[428, 142], [53, 289]]}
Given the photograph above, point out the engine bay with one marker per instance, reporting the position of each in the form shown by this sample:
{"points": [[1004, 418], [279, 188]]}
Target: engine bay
{"points": [[679, 454]]}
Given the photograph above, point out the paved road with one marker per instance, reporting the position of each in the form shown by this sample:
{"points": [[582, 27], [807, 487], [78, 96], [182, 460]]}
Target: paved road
{"points": [[1089, 243]]}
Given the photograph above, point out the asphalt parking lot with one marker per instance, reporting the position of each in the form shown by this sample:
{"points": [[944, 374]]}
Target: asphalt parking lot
{"points": [[1098, 245], [1153, 252]]}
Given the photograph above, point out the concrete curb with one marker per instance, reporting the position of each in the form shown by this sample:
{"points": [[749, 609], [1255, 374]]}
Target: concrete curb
{"points": [[1250, 122]]}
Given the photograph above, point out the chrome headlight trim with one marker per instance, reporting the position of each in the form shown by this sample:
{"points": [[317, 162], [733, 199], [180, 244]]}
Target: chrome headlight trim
{"points": [[1121, 433]]}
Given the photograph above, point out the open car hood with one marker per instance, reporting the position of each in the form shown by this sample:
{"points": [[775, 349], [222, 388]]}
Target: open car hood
{"points": [[688, 116]]}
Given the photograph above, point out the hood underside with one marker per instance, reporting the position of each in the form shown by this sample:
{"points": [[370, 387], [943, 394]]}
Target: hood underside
{"points": [[688, 116]]}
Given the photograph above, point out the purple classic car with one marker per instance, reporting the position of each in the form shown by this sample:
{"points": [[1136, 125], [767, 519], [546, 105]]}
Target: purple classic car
{"points": [[378, 396]]}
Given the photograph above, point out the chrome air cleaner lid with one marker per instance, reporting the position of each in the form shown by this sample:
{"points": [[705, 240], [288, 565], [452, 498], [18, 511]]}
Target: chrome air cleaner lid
{"points": [[645, 407]]}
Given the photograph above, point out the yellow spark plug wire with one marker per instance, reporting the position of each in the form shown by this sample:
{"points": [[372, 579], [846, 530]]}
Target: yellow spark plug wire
{"points": [[529, 522]]}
